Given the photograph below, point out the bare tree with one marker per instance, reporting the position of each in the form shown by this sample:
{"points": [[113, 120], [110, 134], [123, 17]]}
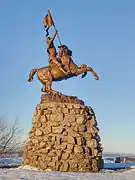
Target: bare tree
{"points": [[10, 137]]}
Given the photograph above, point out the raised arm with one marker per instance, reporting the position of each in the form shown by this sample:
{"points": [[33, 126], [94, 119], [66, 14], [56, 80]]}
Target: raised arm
{"points": [[53, 37], [49, 42]]}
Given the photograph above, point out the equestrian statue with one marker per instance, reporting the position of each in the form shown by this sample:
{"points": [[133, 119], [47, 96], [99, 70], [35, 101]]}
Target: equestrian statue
{"points": [[60, 65]]}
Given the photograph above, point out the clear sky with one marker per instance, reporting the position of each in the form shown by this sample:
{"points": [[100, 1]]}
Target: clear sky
{"points": [[101, 34]]}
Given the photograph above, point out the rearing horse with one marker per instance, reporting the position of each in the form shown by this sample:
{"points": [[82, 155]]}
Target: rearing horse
{"points": [[52, 72]]}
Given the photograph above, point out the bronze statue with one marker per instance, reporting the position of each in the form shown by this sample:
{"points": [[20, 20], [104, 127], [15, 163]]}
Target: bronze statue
{"points": [[60, 67]]}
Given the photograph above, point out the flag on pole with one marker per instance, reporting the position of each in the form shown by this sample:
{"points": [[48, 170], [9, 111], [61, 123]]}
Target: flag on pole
{"points": [[48, 22]]}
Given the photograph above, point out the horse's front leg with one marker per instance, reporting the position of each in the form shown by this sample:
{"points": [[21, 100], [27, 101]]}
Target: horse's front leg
{"points": [[84, 69], [93, 72], [85, 73]]}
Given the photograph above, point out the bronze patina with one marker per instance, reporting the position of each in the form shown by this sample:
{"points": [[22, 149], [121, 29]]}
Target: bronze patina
{"points": [[60, 65]]}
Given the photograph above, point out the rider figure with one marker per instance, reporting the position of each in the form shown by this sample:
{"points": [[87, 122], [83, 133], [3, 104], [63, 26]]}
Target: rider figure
{"points": [[64, 56], [52, 53]]}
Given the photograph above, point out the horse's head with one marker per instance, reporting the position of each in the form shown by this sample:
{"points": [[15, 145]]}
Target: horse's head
{"points": [[64, 51]]}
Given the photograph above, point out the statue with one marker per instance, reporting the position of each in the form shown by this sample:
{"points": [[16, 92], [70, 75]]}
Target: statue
{"points": [[64, 133], [61, 66]]}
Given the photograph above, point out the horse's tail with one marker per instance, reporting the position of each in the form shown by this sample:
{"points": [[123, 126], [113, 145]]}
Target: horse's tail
{"points": [[33, 71]]}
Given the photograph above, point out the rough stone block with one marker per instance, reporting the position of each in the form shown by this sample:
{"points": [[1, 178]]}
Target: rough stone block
{"points": [[51, 154], [47, 117], [77, 111], [65, 139], [56, 117], [92, 143], [59, 109], [54, 110], [94, 152], [34, 141], [43, 119], [72, 111], [75, 127], [78, 149], [77, 106], [69, 105], [93, 130], [79, 141], [82, 128], [80, 119], [42, 144], [70, 147], [65, 156], [73, 133], [54, 123], [65, 166], [43, 151], [69, 117], [57, 130], [38, 132], [65, 110], [71, 140], [47, 130]]}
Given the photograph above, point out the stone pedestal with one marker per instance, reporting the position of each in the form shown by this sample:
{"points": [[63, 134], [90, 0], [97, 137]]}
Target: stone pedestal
{"points": [[64, 136]]}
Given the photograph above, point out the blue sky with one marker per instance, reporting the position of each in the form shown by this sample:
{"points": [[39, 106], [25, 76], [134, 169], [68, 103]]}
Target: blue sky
{"points": [[101, 34]]}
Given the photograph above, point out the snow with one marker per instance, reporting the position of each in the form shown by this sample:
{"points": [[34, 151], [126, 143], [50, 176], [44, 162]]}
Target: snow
{"points": [[27, 167], [31, 173], [25, 174]]}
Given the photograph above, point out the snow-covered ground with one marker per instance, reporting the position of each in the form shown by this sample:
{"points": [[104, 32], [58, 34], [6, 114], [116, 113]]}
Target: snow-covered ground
{"points": [[28, 173], [25, 174]]}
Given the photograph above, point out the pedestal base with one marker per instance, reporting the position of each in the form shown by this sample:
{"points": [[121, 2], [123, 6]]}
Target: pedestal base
{"points": [[63, 137]]}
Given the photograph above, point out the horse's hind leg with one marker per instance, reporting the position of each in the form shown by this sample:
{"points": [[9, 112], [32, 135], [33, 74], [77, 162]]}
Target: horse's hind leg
{"points": [[33, 71], [43, 89], [47, 83], [46, 86], [46, 79], [49, 89]]}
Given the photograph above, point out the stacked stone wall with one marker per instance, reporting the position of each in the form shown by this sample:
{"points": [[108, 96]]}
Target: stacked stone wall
{"points": [[64, 137]]}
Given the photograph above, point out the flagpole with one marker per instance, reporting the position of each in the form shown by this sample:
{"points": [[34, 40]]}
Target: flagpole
{"points": [[56, 30], [57, 35]]}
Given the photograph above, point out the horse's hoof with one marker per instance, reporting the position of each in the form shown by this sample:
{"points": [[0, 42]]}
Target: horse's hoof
{"points": [[96, 77], [30, 79], [43, 90], [52, 92]]}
